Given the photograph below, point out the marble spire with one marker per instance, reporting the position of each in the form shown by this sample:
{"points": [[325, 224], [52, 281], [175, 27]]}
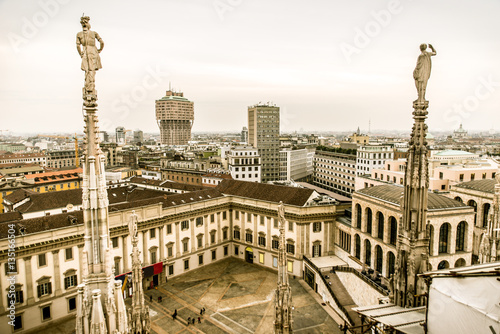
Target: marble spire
{"points": [[101, 308], [283, 298]]}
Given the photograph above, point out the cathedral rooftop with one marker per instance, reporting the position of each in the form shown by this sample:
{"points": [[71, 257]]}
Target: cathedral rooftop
{"points": [[393, 194]]}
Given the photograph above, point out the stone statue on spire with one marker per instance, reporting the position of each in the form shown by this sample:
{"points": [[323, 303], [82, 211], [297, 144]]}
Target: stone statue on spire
{"points": [[422, 71], [91, 61]]}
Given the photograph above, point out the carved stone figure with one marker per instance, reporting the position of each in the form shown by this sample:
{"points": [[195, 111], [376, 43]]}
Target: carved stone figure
{"points": [[422, 71], [89, 53]]}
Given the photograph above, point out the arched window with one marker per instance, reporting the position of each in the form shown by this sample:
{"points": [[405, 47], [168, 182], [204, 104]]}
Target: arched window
{"points": [[394, 230], [444, 232], [460, 263], [368, 252], [459, 199], [378, 256], [486, 211], [358, 216], [474, 205], [369, 220], [357, 250], [380, 227], [461, 233], [391, 261], [443, 265]]}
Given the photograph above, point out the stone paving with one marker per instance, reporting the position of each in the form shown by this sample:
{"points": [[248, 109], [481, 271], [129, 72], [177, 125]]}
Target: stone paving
{"points": [[238, 298]]}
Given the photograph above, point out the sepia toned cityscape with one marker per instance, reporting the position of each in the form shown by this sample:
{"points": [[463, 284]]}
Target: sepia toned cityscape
{"points": [[232, 166]]}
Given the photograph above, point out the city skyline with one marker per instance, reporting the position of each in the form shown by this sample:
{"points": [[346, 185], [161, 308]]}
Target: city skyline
{"points": [[317, 63]]}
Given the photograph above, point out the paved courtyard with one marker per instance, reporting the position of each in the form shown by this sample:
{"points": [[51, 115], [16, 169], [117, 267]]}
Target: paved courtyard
{"points": [[238, 298]]}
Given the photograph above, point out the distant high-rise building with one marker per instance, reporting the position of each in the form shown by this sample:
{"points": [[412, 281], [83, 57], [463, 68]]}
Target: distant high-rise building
{"points": [[138, 136], [103, 136], [264, 134], [120, 135], [175, 117], [244, 135]]}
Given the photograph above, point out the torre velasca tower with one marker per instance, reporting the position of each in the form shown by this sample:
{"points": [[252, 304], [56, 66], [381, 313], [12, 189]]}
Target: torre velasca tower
{"points": [[175, 117]]}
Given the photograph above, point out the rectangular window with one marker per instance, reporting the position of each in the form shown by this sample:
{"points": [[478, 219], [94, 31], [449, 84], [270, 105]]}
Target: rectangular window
{"points": [[152, 233], [236, 234], [72, 304], [114, 242], [185, 246], [461, 177], [249, 237], [18, 322], [275, 244], [153, 257], [290, 226], [212, 238], [212, 218], [46, 313], [69, 253], [44, 289], [170, 269], [317, 227], [236, 250], [275, 262], [290, 248], [185, 225], [224, 234], [199, 221], [169, 229], [200, 241], [214, 254], [290, 266], [275, 223], [249, 217], [226, 250], [262, 220], [186, 264], [224, 215], [200, 259], [237, 215], [262, 241], [261, 258], [42, 260], [16, 297], [70, 281]]}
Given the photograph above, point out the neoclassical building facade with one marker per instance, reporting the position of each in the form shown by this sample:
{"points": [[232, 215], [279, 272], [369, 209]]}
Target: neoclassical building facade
{"points": [[177, 233], [369, 238]]}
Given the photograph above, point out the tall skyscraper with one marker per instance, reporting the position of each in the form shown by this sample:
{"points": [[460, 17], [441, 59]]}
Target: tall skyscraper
{"points": [[120, 135], [175, 117], [263, 134], [244, 135]]}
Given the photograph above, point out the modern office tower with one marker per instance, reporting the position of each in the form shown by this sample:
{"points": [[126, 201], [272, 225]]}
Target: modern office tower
{"points": [[244, 135], [120, 135], [263, 134], [138, 136], [175, 117]]}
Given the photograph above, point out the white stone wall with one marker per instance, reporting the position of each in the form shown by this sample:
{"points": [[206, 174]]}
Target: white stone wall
{"points": [[362, 293]]}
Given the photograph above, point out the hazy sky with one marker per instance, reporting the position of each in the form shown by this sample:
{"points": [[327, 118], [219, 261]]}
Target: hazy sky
{"points": [[330, 65]]}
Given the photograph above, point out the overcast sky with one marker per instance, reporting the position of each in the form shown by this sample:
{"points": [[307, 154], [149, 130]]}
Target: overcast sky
{"points": [[328, 64]]}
